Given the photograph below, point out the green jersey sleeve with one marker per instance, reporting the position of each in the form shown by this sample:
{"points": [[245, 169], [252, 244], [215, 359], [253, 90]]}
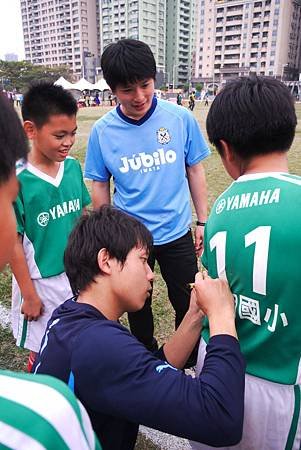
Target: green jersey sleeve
{"points": [[19, 212]]}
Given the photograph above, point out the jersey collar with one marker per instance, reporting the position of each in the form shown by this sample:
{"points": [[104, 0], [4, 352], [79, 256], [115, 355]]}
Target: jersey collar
{"points": [[143, 119], [43, 176], [259, 176]]}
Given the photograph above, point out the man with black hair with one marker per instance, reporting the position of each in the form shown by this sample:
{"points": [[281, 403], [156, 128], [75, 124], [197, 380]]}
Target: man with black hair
{"points": [[35, 411], [119, 381], [52, 196], [253, 240], [153, 150]]}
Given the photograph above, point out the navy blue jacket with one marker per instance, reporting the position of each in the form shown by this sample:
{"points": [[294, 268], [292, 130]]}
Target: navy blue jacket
{"points": [[122, 384]]}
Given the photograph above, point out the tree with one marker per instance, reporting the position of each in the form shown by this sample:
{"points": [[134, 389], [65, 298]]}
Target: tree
{"points": [[18, 75], [199, 87]]}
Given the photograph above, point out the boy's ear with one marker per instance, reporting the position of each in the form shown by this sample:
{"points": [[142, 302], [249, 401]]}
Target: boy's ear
{"points": [[104, 261], [227, 151], [30, 129]]}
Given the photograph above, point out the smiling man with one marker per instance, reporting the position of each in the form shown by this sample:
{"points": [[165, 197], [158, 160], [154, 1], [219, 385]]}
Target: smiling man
{"points": [[153, 150]]}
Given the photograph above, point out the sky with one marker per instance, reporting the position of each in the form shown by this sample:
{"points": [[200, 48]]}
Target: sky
{"points": [[11, 35]]}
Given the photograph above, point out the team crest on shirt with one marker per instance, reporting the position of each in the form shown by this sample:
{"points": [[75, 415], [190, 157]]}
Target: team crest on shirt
{"points": [[43, 219], [163, 136]]}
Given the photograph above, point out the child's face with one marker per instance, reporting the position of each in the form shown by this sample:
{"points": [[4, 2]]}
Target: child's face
{"points": [[8, 232], [136, 98], [131, 282], [53, 141]]}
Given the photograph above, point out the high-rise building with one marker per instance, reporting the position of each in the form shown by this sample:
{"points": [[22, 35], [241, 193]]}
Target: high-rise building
{"points": [[180, 38], [11, 57], [135, 19], [62, 32], [236, 37]]}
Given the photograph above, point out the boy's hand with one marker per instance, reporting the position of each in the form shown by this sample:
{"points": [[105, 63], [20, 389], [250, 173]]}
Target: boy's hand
{"points": [[216, 300], [32, 308]]}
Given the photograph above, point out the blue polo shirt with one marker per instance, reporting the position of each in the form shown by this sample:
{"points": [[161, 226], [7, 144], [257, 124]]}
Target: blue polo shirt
{"points": [[148, 159]]}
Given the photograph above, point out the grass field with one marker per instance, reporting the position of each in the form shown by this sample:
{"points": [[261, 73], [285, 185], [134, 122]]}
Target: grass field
{"points": [[217, 180]]}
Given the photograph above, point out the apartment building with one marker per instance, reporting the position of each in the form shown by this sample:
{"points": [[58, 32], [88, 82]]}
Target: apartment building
{"points": [[180, 38], [62, 32], [235, 37], [135, 19]]}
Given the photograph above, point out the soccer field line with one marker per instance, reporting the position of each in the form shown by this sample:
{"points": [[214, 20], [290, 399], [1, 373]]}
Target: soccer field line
{"points": [[5, 317]]}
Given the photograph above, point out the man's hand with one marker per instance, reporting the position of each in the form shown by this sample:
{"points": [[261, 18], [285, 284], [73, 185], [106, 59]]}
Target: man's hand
{"points": [[214, 297], [194, 310], [32, 308], [199, 240]]}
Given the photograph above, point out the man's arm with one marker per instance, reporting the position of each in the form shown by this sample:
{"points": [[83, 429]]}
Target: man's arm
{"points": [[216, 300], [212, 296], [32, 306], [198, 190], [100, 193], [180, 345]]}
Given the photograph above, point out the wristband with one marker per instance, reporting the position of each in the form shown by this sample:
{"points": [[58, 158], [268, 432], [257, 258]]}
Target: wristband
{"points": [[200, 224]]}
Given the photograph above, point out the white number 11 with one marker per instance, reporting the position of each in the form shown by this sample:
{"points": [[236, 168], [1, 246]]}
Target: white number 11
{"points": [[260, 236]]}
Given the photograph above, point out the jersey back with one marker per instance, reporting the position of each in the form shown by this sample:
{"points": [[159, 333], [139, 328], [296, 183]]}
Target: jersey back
{"points": [[253, 239]]}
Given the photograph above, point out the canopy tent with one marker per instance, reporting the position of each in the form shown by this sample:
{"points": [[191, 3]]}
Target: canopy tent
{"points": [[64, 83], [83, 85], [101, 85]]}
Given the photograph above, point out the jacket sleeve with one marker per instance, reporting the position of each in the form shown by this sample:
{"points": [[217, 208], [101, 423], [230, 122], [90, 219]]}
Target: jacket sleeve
{"points": [[114, 374]]}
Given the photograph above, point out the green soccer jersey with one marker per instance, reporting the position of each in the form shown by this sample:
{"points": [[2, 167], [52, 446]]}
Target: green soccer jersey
{"points": [[46, 210], [41, 412], [253, 239]]}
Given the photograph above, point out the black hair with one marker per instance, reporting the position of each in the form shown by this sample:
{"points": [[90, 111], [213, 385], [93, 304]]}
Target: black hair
{"points": [[127, 61], [255, 115], [107, 228], [44, 99], [13, 142]]}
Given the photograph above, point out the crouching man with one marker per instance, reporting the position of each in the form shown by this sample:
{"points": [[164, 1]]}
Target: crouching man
{"points": [[119, 381]]}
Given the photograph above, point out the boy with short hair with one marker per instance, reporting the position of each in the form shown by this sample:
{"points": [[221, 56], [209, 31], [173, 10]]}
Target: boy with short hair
{"points": [[253, 240], [52, 197], [153, 150], [119, 381], [35, 411]]}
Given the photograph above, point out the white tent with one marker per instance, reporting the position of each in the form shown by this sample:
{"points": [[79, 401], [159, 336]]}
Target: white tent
{"points": [[101, 85], [64, 83], [83, 85]]}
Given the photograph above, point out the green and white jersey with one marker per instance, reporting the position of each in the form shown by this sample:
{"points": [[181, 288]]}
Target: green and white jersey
{"points": [[46, 210], [253, 239], [40, 412]]}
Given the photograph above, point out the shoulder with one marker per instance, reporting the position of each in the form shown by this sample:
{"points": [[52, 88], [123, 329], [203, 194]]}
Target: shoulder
{"points": [[72, 162], [116, 345], [172, 109], [105, 332], [55, 408], [21, 167], [106, 120]]}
